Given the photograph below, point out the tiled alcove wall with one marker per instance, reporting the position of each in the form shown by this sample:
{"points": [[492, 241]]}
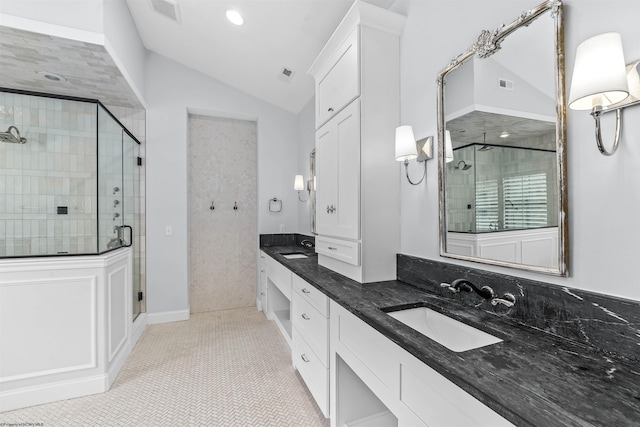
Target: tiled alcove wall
{"points": [[222, 241]]}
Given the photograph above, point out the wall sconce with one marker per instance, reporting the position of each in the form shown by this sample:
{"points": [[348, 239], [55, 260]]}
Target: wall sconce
{"points": [[407, 148], [299, 186], [601, 82], [448, 147]]}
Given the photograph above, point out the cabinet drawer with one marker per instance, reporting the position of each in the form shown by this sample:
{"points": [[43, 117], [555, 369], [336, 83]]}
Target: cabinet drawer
{"points": [[448, 405], [312, 326], [371, 348], [312, 295], [342, 250], [312, 371], [341, 82], [280, 276]]}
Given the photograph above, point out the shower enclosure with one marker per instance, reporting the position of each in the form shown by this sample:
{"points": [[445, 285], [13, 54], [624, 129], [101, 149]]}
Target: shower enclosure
{"points": [[502, 204], [492, 188], [70, 180]]}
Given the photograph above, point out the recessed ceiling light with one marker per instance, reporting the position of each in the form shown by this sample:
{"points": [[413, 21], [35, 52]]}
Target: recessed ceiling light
{"points": [[52, 76], [504, 134], [235, 17]]}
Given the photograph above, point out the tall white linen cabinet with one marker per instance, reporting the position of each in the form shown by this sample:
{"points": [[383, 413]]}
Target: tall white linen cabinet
{"points": [[357, 77]]}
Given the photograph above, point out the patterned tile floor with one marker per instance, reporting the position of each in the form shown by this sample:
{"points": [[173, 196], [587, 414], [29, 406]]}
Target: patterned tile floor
{"points": [[222, 368]]}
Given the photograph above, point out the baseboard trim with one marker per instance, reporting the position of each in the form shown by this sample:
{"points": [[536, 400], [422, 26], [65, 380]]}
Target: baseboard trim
{"points": [[52, 392], [137, 329], [168, 316]]}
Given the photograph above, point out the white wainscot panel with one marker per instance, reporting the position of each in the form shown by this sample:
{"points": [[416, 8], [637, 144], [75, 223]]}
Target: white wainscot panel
{"points": [[117, 310], [531, 247], [47, 327], [65, 326]]}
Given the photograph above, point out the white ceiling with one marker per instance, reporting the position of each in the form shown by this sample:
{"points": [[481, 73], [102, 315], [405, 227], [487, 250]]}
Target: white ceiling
{"points": [[275, 34]]}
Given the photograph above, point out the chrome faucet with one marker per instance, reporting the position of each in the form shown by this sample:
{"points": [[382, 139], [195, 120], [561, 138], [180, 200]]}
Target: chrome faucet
{"points": [[508, 300], [466, 286], [307, 244]]}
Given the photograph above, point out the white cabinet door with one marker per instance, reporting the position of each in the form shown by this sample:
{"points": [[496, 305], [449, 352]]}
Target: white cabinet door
{"points": [[338, 175], [326, 178], [341, 84]]}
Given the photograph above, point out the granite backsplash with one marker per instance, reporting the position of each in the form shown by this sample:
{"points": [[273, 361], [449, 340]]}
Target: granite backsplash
{"points": [[284, 239], [608, 323]]}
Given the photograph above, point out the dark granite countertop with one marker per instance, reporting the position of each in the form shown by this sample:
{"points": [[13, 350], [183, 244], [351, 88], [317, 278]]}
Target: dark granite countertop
{"points": [[531, 378]]}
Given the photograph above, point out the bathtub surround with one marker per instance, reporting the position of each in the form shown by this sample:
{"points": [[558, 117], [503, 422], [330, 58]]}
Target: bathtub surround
{"points": [[222, 213], [605, 322]]}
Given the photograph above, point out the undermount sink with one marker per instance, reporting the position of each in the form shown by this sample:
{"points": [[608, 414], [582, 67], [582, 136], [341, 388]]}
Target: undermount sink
{"points": [[454, 335], [295, 255]]}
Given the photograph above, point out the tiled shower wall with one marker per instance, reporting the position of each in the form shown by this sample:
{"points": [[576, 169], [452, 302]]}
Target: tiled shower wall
{"points": [[57, 167], [462, 185]]}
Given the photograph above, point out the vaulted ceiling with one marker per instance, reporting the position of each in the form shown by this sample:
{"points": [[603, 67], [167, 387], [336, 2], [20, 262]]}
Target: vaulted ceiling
{"points": [[276, 34]]}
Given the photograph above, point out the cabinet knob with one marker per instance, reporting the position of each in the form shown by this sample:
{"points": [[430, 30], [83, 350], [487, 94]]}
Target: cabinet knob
{"points": [[305, 317], [306, 291], [331, 248], [330, 110], [304, 358]]}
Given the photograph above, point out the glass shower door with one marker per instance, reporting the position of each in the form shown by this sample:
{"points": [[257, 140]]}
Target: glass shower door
{"points": [[110, 202], [132, 212]]}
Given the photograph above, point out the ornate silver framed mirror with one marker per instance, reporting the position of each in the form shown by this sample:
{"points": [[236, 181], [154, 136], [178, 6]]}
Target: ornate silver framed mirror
{"points": [[502, 139]]}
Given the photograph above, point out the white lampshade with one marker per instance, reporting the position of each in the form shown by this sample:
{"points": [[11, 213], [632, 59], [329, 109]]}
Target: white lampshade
{"points": [[299, 183], [405, 144], [599, 73], [448, 147]]}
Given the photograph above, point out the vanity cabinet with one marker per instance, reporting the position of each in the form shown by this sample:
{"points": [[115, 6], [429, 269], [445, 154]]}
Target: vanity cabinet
{"points": [[357, 78], [278, 290], [310, 353], [261, 294], [385, 379]]}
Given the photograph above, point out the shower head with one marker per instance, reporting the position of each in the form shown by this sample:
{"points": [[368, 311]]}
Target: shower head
{"points": [[464, 167], [12, 136]]}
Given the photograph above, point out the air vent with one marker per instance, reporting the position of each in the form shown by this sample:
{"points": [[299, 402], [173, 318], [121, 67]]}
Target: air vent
{"points": [[168, 8], [286, 74], [505, 84]]}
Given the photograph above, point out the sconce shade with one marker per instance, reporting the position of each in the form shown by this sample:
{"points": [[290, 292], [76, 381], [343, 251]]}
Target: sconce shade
{"points": [[299, 183], [448, 147], [405, 144], [599, 73]]}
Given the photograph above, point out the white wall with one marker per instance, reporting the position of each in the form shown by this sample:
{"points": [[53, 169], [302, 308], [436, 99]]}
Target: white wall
{"points": [[604, 192], [171, 91], [306, 143], [123, 43], [83, 15]]}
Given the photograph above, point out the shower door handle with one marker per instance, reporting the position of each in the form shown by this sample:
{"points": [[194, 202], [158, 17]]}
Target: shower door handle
{"points": [[130, 235]]}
